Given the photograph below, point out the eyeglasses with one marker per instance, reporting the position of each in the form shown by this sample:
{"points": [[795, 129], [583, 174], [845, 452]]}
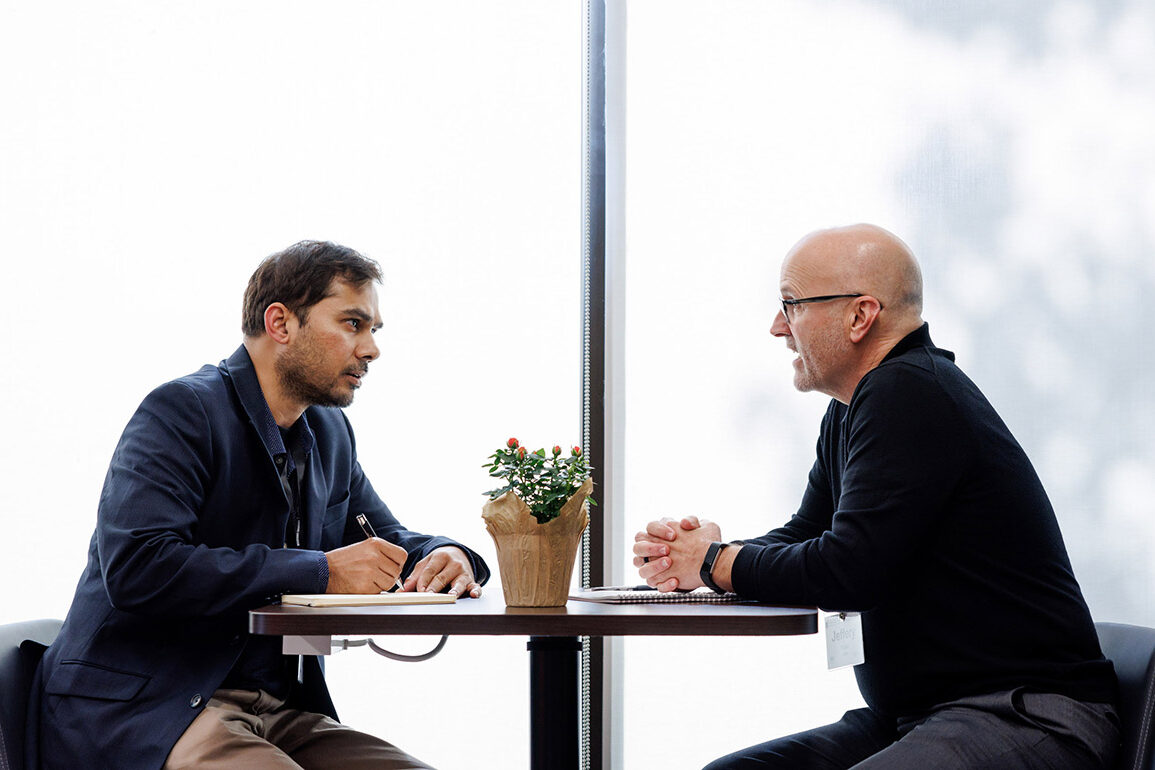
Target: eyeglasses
{"points": [[789, 303]]}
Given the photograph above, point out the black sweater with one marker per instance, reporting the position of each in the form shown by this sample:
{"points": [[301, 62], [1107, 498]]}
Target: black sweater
{"points": [[924, 513]]}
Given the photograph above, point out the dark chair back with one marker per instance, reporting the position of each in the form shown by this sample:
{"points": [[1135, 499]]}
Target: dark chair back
{"points": [[21, 646], [1132, 650]]}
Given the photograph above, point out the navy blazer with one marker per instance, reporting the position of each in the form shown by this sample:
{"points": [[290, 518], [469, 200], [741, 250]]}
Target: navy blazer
{"points": [[189, 537]]}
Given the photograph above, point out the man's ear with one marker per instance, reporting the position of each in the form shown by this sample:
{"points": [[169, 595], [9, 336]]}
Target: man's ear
{"points": [[277, 322], [866, 309]]}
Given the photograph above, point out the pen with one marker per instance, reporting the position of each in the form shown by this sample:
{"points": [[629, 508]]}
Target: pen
{"points": [[367, 528]]}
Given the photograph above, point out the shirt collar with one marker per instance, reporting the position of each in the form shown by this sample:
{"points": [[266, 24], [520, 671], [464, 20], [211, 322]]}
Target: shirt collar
{"points": [[919, 338], [239, 367]]}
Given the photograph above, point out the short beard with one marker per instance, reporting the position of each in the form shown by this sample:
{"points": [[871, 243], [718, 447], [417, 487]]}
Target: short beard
{"points": [[293, 374]]}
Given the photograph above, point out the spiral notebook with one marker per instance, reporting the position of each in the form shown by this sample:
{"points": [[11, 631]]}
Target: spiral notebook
{"points": [[646, 595]]}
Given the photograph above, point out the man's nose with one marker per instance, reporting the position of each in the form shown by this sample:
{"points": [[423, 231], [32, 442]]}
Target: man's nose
{"points": [[368, 350], [780, 327]]}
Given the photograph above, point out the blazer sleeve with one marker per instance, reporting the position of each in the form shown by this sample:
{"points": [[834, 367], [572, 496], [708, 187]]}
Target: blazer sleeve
{"points": [[151, 559]]}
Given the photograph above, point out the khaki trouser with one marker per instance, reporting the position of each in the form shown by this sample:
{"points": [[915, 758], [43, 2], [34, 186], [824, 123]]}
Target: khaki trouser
{"points": [[253, 730]]}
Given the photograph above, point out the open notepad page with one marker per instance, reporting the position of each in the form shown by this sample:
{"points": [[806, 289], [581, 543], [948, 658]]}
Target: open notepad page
{"points": [[365, 600], [626, 595]]}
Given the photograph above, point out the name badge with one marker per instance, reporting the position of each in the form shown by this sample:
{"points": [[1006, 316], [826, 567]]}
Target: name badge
{"points": [[844, 640]]}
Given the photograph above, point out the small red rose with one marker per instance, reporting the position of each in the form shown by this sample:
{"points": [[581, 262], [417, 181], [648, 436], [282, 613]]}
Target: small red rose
{"points": [[512, 443]]}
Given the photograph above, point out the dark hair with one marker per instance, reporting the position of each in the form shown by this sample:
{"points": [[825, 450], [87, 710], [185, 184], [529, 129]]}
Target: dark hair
{"points": [[300, 277]]}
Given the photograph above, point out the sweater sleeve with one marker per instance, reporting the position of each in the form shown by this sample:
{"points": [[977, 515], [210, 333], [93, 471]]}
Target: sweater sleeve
{"points": [[901, 448]]}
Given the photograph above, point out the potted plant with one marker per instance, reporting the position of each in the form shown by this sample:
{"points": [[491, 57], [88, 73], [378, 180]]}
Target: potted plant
{"points": [[536, 519]]}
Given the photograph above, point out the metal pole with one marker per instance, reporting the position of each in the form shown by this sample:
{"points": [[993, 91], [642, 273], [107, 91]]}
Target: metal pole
{"points": [[593, 348]]}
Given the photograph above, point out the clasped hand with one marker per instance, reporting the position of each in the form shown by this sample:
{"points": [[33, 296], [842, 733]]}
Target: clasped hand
{"points": [[669, 553], [374, 565]]}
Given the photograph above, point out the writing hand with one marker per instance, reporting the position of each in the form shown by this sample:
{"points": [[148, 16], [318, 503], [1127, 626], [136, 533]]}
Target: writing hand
{"points": [[368, 567], [445, 569]]}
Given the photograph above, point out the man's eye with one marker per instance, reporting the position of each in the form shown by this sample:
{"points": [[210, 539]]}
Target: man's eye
{"points": [[355, 323]]}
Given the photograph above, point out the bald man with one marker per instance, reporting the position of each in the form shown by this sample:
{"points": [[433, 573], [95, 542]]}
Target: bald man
{"points": [[923, 521]]}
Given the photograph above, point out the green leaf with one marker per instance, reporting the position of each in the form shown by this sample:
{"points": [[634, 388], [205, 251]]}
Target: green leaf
{"points": [[496, 493]]}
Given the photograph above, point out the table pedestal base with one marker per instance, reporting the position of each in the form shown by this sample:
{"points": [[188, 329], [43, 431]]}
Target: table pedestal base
{"points": [[553, 702]]}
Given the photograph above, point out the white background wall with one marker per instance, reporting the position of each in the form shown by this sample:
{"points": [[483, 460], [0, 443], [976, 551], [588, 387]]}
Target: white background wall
{"points": [[152, 153]]}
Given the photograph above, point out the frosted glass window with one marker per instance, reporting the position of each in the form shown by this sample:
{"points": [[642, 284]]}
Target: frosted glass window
{"points": [[1011, 146]]}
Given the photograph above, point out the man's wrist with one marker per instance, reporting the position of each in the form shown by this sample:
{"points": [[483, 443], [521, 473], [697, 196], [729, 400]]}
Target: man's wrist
{"points": [[706, 571], [723, 566]]}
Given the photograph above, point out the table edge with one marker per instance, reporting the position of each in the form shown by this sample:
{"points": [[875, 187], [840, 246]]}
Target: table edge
{"points": [[278, 620]]}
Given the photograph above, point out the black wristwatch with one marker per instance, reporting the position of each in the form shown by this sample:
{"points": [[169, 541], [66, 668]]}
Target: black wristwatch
{"points": [[706, 573]]}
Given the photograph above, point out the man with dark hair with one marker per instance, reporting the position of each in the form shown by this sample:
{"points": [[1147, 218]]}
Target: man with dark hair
{"points": [[923, 514], [230, 487], [300, 277]]}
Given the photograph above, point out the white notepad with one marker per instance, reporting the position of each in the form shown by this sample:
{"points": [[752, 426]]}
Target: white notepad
{"points": [[364, 600]]}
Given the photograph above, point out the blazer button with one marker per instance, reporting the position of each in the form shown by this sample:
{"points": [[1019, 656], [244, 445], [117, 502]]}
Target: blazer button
{"points": [[195, 700]]}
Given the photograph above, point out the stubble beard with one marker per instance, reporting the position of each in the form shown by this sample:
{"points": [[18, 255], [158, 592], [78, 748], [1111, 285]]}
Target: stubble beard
{"points": [[816, 357], [295, 373]]}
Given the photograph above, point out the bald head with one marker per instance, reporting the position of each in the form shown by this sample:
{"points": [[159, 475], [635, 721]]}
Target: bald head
{"points": [[856, 292], [867, 259]]}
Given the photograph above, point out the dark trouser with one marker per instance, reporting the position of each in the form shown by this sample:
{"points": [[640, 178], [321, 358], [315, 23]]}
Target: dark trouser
{"points": [[1000, 731]]}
